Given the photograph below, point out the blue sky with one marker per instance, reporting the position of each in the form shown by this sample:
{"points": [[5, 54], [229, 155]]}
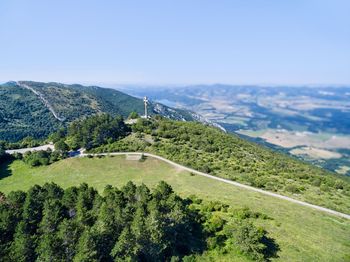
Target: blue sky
{"points": [[176, 42]]}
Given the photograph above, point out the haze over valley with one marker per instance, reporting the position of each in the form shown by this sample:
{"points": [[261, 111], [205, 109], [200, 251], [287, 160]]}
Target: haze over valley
{"points": [[311, 123]]}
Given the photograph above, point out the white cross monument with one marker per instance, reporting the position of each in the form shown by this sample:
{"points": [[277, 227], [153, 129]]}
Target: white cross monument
{"points": [[145, 101]]}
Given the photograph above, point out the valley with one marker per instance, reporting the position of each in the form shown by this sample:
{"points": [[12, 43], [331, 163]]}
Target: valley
{"points": [[310, 123]]}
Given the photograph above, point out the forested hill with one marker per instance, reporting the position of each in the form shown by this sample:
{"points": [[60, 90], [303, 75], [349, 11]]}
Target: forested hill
{"points": [[37, 109], [225, 155]]}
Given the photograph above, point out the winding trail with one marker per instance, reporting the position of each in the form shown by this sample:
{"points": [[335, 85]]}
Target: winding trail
{"points": [[323, 209], [81, 153], [43, 99]]}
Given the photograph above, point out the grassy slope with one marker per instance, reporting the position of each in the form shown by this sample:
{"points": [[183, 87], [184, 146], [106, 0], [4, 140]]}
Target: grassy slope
{"points": [[93, 99], [302, 233], [75, 101], [225, 155]]}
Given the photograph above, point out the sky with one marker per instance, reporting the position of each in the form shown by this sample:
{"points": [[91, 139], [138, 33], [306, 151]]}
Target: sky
{"points": [[176, 42]]}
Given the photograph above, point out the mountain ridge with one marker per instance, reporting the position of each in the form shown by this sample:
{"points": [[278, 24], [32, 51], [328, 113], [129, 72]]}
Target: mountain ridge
{"points": [[29, 108]]}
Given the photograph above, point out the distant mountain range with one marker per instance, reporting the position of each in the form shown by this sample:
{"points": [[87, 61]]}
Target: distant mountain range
{"points": [[36, 109]]}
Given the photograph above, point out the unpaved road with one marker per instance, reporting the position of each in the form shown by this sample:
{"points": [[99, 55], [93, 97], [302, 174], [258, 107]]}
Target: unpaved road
{"points": [[31, 149], [323, 209], [43, 99]]}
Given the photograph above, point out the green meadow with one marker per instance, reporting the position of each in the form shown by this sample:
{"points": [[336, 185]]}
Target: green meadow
{"points": [[303, 234]]}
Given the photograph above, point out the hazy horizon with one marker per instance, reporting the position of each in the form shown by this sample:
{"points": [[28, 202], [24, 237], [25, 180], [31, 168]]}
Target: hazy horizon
{"points": [[117, 85]]}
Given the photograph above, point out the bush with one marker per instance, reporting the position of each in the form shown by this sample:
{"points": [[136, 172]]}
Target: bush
{"points": [[324, 188], [292, 188], [339, 184], [133, 115], [316, 182], [42, 158], [17, 156], [61, 146], [248, 238]]}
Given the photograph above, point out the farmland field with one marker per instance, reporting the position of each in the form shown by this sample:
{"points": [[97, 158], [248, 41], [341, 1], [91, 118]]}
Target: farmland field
{"points": [[281, 117]]}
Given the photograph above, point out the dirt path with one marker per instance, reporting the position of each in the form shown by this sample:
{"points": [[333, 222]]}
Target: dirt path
{"points": [[323, 209], [43, 99], [23, 150]]}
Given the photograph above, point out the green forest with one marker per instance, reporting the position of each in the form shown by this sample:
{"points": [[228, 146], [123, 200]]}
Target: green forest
{"points": [[132, 223], [23, 113], [96, 130]]}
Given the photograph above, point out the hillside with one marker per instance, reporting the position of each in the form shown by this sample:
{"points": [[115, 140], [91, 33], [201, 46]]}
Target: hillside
{"points": [[309, 122], [298, 233], [37, 109], [301, 233], [212, 151]]}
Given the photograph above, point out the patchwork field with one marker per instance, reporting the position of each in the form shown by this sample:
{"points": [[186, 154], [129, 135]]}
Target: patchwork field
{"points": [[315, 153], [303, 234], [289, 139], [323, 149]]}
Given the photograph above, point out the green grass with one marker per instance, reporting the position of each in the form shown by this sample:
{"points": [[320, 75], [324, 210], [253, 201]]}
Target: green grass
{"points": [[303, 234]]}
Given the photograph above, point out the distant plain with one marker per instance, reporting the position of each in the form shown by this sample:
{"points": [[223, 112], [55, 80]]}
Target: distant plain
{"points": [[311, 123]]}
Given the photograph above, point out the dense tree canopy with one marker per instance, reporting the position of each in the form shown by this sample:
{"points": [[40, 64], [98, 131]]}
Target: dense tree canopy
{"points": [[25, 142], [2, 151], [129, 224], [95, 131], [22, 114]]}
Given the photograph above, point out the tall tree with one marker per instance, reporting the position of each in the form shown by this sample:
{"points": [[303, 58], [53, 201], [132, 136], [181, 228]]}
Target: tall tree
{"points": [[87, 249], [68, 235], [85, 204], [49, 248], [124, 248], [23, 247], [33, 206]]}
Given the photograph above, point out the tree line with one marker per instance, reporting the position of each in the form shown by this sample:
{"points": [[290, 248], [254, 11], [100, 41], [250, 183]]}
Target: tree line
{"points": [[133, 223], [85, 133]]}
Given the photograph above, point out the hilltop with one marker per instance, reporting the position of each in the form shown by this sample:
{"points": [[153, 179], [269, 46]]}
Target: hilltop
{"points": [[228, 156], [302, 234], [37, 109]]}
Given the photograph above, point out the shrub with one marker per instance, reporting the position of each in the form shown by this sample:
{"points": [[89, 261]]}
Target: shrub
{"points": [[292, 188], [42, 158], [316, 182], [248, 238], [324, 188], [339, 184]]}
